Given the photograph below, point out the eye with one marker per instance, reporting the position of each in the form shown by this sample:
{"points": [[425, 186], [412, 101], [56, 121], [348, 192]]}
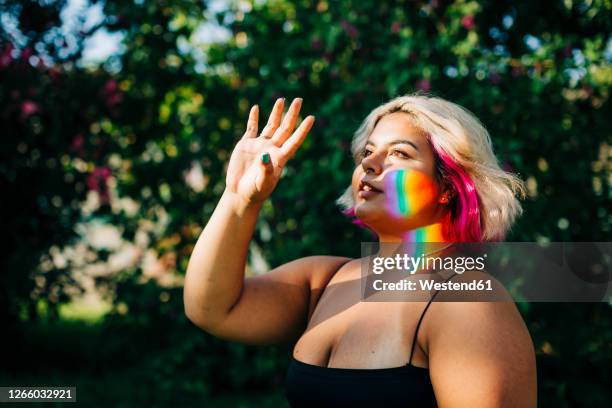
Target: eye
{"points": [[366, 152], [401, 154]]}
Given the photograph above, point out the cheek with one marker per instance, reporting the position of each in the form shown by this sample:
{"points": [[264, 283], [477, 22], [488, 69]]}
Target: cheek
{"points": [[409, 192]]}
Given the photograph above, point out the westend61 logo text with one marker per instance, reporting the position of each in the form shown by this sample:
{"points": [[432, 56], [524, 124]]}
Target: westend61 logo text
{"points": [[412, 264]]}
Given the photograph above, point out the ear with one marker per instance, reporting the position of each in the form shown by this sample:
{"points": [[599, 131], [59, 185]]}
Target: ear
{"points": [[446, 196]]}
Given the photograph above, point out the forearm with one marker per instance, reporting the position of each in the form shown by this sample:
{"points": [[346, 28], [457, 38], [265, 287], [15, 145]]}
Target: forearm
{"points": [[215, 274]]}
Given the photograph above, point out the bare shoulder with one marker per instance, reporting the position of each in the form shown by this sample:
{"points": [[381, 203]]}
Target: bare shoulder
{"points": [[489, 317], [494, 322], [324, 267], [487, 342], [316, 271]]}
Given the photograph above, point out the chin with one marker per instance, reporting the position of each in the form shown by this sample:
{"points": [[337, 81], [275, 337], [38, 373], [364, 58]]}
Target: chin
{"points": [[378, 218], [371, 214]]}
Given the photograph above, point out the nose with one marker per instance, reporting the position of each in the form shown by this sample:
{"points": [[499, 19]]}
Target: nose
{"points": [[371, 164]]}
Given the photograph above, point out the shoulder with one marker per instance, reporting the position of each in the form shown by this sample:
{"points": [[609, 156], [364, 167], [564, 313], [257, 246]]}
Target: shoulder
{"points": [[485, 341], [485, 318], [324, 267], [316, 270], [491, 314]]}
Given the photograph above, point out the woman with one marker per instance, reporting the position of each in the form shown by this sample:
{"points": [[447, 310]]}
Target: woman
{"points": [[426, 173]]}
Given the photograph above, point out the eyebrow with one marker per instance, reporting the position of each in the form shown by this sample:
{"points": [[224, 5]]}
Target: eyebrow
{"points": [[397, 141]]}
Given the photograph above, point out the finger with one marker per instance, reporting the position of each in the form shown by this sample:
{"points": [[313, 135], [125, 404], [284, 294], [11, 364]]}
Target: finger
{"points": [[252, 123], [274, 119], [291, 145], [285, 129], [266, 169]]}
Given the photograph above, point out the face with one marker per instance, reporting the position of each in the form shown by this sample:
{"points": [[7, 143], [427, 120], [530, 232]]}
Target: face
{"points": [[395, 187]]}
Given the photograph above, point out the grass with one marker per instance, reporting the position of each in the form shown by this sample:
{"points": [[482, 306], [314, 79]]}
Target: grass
{"points": [[81, 310]]}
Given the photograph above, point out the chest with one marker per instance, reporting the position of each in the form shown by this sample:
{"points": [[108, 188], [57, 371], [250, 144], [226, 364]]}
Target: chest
{"points": [[345, 331]]}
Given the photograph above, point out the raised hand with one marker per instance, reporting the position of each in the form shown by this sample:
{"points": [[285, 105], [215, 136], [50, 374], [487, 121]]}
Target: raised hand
{"points": [[258, 160]]}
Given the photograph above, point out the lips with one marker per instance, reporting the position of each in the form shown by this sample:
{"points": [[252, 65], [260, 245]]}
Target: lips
{"points": [[367, 188]]}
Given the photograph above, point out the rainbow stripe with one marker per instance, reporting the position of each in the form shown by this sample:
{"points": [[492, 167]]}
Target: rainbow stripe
{"points": [[428, 233], [408, 192]]}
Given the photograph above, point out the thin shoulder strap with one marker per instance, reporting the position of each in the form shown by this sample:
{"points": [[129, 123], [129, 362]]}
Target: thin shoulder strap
{"points": [[416, 332]]}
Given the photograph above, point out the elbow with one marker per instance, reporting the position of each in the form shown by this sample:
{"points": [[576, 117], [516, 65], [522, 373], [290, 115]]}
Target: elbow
{"points": [[193, 310], [189, 311], [199, 314], [192, 306], [198, 318]]}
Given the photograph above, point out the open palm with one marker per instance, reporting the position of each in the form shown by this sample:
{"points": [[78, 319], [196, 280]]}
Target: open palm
{"points": [[247, 174]]}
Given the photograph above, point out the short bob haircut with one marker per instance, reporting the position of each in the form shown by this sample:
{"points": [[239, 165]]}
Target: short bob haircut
{"points": [[484, 204]]}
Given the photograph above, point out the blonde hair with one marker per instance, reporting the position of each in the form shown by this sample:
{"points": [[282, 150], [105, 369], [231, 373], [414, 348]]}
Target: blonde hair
{"points": [[484, 205]]}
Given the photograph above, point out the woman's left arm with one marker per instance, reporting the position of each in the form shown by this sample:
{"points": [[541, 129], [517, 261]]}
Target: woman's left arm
{"points": [[480, 355]]}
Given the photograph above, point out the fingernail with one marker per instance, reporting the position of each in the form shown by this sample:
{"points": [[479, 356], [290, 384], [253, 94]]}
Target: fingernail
{"points": [[265, 158]]}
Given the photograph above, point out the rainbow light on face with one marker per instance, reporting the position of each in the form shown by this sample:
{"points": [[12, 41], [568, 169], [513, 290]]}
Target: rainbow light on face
{"points": [[408, 192]]}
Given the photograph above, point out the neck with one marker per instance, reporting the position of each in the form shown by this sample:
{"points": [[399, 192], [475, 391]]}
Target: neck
{"points": [[418, 241], [427, 233]]}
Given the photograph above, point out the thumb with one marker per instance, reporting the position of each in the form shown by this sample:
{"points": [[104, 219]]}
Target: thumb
{"points": [[266, 168]]}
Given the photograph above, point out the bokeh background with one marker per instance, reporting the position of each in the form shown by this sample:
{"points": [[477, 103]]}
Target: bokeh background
{"points": [[118, 117]]}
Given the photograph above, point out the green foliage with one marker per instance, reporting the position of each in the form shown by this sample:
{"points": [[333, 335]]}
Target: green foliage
{"points": [[537, 74]]}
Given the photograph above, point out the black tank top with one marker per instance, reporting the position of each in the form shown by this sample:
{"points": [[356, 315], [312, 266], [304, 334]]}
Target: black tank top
{"points": [[308, 385]]}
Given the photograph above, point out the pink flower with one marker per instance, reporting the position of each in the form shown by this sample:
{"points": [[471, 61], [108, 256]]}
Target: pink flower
{"points": [[97, 181], [26, 54], [77, 142], [110, 86], [111, 93], [114, 99], [423, 85], [104, 172], [29, 108], [468, 22], [92, 182], [395, 27], [6, 58]]}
